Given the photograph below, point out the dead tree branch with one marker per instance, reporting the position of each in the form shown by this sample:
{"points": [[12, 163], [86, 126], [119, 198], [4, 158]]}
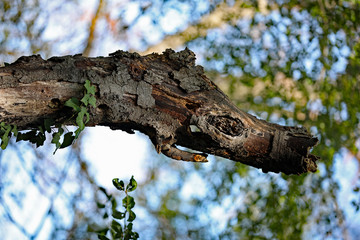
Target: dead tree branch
{"points": [[165, 96]]}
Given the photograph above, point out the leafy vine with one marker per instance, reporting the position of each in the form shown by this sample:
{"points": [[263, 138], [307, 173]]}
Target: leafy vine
{"points": [[38, 136]]}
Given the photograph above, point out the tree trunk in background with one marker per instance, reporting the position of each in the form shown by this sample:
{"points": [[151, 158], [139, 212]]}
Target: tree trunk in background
{"points": [[164, 96]]}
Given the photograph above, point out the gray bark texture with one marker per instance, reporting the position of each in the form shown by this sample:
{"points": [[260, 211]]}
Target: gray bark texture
{"points": [[166, 97]]}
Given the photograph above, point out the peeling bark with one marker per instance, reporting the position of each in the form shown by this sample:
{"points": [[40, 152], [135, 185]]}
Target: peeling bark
{"points": [[166, 96]]}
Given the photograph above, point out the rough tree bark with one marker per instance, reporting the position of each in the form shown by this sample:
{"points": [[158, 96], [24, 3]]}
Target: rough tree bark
{"points": [[166, 96]]}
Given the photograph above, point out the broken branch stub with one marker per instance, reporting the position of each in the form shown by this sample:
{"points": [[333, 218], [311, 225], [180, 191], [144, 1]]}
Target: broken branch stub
{"points": [[164, 96]]}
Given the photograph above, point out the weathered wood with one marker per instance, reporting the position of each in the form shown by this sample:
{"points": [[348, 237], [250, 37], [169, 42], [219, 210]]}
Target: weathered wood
{"points": [[164, 96]]}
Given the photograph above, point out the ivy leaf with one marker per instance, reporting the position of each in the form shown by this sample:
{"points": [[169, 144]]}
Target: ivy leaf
{"points": [[56, 138], [47, 124], [85, 99], [89, 96], [77, 133], [26, 136], [39, 139], [73, 103], [118, 184], [89, 88], [132, 185], [5, 137], [32, 136], [41, 130], [4, 142], [68, 140], [80, 121], [80, 118], [15, 131], [92, 101]]}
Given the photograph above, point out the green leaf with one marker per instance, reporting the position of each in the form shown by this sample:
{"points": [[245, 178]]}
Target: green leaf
{"points": [[100, 205], [117, 228], [80, 121], [92, 101], [89, 95], [118, 184], [47, 124], [85, 99], [68, 140], [32, 136], [56, 138], [4, 142], [132, 185], [80, 118], [26, 136], [5, 137], [73, 103], [102, 231], [77, 133], [128, 202], [135, 235], [118, 215], [127, 235], [103, 237], [113, 204], [89, 88], [41, 130], [129, 227], [132, 216], [15, 131], [39, 139]]}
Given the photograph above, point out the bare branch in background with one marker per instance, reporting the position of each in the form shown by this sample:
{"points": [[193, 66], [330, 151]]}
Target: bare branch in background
{"points": [[217, 18], [92, 28]]}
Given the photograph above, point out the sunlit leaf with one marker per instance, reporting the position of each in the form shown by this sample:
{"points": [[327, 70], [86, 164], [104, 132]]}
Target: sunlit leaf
{"points": [[73, 103], [132, 185], [119, 184]]}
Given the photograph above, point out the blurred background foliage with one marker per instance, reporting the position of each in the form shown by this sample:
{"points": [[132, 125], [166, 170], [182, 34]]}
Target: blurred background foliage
{"points": [[288, 62]]}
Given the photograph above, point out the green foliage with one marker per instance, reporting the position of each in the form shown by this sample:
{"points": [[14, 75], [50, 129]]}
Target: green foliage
{"points": [[262, 63], [6, 131], [80, 109], [38, 136], [115, 228]]}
